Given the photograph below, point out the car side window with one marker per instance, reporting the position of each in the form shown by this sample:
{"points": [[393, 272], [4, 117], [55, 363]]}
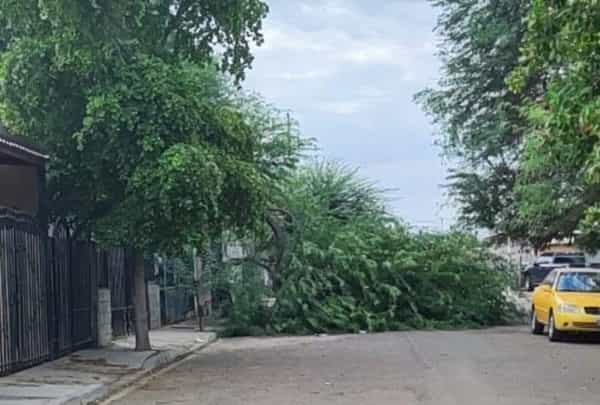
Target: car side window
{"points": [[549, 280]]}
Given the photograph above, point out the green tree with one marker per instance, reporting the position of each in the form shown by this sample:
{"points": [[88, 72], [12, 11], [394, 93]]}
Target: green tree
{"points": [[171, 29], [479, 118], [150, 144], [559, 183]]}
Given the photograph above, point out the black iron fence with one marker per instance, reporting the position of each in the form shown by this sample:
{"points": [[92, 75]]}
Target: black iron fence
{"points": [[73, 292], [24, 298], [49, 289], [117, 275]]}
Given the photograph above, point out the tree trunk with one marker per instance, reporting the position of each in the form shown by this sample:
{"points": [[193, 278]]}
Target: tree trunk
{"points": [[281, 241], [142, 334], [198, 304]]}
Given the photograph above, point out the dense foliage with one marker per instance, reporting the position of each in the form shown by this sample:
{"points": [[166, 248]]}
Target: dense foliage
{"points": [[242, 300], [517, 107], [378, 277], [559, 182], [85, 31], [125, 97], [150, 144], [479, 118], [352, 267]]}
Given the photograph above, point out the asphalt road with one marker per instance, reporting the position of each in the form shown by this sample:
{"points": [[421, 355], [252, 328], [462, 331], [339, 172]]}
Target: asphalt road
{"points": [[505, 366]]}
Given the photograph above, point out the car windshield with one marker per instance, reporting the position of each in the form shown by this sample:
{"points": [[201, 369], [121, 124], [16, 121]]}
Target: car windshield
{"points": [[579, 282]]}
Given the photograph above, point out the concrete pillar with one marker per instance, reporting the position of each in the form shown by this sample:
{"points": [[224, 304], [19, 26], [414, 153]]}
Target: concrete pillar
{"points": [[104, 318], [203, 297], [154, 305], [202, 278]]}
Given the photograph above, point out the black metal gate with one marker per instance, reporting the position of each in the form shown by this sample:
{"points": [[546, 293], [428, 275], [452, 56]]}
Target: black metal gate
{"points": [[116, 274], [74, 272]]}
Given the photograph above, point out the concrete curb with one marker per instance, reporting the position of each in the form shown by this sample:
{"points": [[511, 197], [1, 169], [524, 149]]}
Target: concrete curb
{"points": [[152, 364]]}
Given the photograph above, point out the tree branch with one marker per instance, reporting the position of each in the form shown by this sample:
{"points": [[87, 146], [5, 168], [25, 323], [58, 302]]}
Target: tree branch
{"points": [[175, 19]]}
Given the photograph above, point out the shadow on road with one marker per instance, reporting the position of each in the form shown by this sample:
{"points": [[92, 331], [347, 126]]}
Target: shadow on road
{"points": [[581, 339]]}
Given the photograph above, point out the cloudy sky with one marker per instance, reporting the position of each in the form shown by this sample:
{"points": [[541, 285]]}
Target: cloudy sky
{"points": [[348, 70]]}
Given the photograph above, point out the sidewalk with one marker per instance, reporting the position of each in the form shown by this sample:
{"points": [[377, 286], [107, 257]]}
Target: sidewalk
{"points": [[90, 375]]}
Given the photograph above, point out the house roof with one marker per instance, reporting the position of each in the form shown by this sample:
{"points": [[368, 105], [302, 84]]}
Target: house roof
{"points": [[15, 150]]}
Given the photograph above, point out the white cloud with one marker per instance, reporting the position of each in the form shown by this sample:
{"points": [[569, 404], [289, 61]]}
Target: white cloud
{"points": [[429, 47], [341, 107], [409, 76], [279, 38], [365, 97], [371, 92], [371, 54], [336, 49], [333, 44], [329, 7], [308, 75]]}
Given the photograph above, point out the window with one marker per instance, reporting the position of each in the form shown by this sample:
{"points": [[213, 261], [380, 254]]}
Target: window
{"points": [[569, 260], [579, 282]]}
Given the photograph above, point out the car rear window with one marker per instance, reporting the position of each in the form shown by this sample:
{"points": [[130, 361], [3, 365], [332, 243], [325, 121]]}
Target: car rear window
{"points": [[569, 259]]}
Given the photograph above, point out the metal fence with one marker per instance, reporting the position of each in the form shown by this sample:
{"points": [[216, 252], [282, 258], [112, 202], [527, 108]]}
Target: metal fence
{"points": [[24, 308], [49, 290], [72, 291], [177, 303], [117, 275], [176, 290]]}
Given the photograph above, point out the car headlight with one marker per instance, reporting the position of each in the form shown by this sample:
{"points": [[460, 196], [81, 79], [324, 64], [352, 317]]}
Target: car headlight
{"points": [[573, 309]]}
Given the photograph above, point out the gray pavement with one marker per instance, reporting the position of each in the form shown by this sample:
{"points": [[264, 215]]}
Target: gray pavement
{"points": [[502, 366], [90, 375]]}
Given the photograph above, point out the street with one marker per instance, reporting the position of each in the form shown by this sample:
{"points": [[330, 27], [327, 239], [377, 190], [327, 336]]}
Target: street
{"points": [[502, 366]]}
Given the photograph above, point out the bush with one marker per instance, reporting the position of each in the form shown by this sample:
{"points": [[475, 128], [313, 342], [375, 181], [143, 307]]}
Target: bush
{"points": [[245, 312], [385, 278]]}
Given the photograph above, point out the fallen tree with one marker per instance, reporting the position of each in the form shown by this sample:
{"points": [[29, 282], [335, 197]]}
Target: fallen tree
{"points": [[350, 267]]}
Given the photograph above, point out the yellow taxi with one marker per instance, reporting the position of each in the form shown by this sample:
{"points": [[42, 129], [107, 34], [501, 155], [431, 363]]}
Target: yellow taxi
{"points": [[568, 300]]}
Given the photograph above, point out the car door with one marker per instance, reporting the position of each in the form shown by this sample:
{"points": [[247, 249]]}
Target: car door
{"points": [[543, 298]]}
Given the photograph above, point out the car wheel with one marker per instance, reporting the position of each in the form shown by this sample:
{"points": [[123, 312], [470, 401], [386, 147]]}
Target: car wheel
{"points": [[537, 328], [553, 334]]}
